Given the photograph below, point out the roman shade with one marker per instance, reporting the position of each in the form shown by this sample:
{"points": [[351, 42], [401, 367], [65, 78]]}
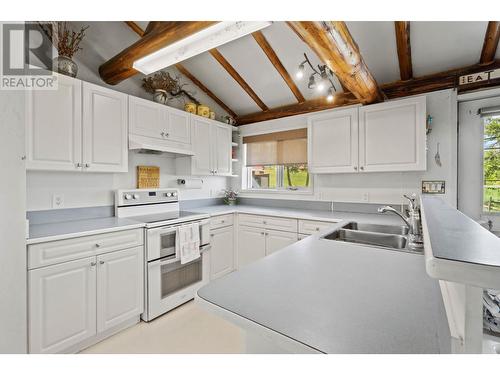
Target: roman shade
{"points": [[283, 148]]}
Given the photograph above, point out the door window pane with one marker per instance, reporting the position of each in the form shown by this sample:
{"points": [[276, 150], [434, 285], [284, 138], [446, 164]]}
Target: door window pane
{"points": [[491, 165]]}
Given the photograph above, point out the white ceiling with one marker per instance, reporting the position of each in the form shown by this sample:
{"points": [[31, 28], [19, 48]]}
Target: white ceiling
{"points": [[436, 47]]}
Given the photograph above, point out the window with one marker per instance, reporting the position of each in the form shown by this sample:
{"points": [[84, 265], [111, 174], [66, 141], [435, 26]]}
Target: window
{"points": [[277, 161], [491, 165]]}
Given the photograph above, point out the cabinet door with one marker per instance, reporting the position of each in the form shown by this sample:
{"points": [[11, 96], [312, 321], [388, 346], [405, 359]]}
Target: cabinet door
{"points": [[146, 118], [119, 287], [392, 136], [251, 245], [54, 127], [333, 142], [277, 240], [62, 305], [179, 129], [202, 160], [222, 149], [222, 252], [105, 133]]}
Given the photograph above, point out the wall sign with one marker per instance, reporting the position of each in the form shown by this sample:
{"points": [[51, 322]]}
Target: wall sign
{"points": [[479, 77]]}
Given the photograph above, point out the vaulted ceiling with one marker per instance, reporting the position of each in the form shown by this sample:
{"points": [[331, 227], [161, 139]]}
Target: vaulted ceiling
{"points": [[242, 76]]}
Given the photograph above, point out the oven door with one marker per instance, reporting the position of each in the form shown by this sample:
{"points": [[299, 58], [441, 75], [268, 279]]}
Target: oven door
{"points": [[171, 283], [162, 243]]}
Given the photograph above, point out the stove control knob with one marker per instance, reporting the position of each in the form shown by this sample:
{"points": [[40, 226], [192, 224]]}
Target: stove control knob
{"points": [[127, 196], [136, 196], [174, 194], [169, 194]]}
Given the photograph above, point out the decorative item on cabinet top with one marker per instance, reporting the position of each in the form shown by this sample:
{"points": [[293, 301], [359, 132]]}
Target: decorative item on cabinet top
{"points": [[148, 177], [190, 107], [203, 111], [164, 88]]}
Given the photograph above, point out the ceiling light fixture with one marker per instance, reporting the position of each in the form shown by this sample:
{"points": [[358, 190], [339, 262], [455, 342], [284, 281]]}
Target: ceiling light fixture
{"points": [[325, 78], [202, 41]]}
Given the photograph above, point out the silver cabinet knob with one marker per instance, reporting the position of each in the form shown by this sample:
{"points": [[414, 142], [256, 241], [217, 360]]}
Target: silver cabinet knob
{"points": [[97, 245], [162, 134], [211, 235], [264, 222], [101, 262], [262, 233], [317, 228], [87, 165], [355, 168], [362, 168], [78, 165], [223, 221], [92, 264], [167, 135]]}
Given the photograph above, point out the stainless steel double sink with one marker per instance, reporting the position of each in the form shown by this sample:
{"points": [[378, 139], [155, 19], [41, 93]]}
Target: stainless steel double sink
{"points": [[375, 235]]}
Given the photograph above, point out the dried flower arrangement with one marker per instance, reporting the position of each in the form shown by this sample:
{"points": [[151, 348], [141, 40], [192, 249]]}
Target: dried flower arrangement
{"points": [[172, 87], [230, 196], [63, 37]]}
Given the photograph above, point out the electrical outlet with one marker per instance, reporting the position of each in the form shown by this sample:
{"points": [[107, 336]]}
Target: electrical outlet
{"points": [[366, 197], [57, 201]]}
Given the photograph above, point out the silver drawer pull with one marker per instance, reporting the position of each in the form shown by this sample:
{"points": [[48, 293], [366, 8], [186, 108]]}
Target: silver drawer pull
{"points": [[101, 262], [212, 235], [97, 245], [317, 228], [92, 264], [262, 233], [222, 221], [78, 165], [264, 222]]}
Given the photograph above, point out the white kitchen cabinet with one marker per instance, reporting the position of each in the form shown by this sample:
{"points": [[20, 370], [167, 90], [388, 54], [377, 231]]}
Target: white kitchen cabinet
{"points": [[222, 252], [78, 127], [158, 121], [392, 136], [105, 130], [333, 142], [54, 126], [277, 240], [212, 149], [119, 287], [145, 118], [251, 245], [62, 305]]}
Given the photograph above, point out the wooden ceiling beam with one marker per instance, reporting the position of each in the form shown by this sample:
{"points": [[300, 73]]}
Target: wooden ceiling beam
{"points": [[333, 44], [439, 81], [314, 105], [239, 79], [490, 44], [274, 59], [135, 27], [205, 89], [402, 29], [120, 67]]}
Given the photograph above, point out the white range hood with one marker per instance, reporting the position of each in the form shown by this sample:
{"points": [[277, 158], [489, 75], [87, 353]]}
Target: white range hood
{"points": [[153, 146]]}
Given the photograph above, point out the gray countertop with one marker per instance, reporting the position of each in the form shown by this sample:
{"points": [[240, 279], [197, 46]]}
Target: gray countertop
{"points": [[456, 237], [339, 298], [67, 229]]}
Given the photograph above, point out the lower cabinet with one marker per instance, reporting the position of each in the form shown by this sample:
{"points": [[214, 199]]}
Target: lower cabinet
{"points": [[277, 240], [76, 300], [251, 244], [255, 243], [222, 252]]}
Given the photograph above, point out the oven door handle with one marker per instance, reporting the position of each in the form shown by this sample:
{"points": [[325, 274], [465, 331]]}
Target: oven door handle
{"points": [[160, 262]]}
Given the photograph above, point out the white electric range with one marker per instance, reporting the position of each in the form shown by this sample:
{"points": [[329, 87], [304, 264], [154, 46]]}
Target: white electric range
{"points": [[168, 283]]}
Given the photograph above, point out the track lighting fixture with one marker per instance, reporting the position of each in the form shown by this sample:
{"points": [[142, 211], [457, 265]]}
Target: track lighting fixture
{"points": [[324, 81]]}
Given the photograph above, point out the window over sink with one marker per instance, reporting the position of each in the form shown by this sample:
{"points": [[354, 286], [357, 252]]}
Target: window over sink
{"points": [[276, 161]]}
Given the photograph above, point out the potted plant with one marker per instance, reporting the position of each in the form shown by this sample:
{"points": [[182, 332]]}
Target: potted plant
{"points": [[165, 87], [230, 196], [67, 42]]}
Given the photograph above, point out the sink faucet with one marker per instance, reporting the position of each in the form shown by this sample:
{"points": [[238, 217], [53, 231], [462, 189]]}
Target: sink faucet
{"points": [[413, 222]]}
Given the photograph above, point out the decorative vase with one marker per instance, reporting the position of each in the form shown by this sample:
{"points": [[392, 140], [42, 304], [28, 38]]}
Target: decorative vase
{"points": [[65, 65], [190, 107], [203, 111], [160, 96]]}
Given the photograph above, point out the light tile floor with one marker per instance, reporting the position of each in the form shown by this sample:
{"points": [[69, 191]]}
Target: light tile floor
{"points": [[187, 329]]}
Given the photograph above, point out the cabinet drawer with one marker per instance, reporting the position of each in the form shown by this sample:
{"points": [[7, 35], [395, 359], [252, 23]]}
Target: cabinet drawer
{"points": [[313, 226], [47, 253], [268, 222], [221, 221]]}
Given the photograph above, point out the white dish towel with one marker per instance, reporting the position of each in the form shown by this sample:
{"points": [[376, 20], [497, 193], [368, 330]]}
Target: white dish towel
{"points": [[189, 242]]}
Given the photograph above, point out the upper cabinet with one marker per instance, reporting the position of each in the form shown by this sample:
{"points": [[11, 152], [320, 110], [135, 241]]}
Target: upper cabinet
{"points": [[333, 142], [383, 137], [392, 136], [211, 147], [78, 127], [54, 127], [105, 132], [158, 125]]}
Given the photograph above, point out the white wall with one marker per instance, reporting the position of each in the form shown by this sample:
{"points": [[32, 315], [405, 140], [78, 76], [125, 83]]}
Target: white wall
{"points": [[13, 330], [96, 189], [381, 187]]}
